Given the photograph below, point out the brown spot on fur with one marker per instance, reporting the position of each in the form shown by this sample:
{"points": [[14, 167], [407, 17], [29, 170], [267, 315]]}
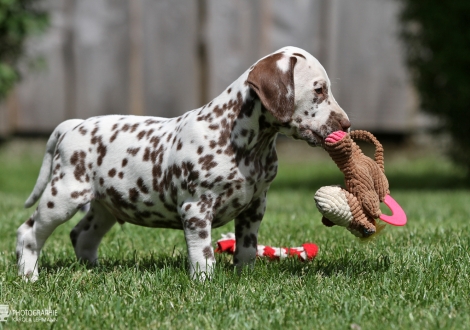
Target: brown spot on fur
{"points": [[141, 135], [50, 205], [146, 157], [203, 234], [112, 172], [77, 194], [133, 195], [78, 159], [218, 111], [207, 252], [133, 151], [142, 186], [150, 133], [124, 162], [101, 149], [114, 136], [30, 222], [134, 127], [82, 130], [207, 162], [118, 200], [333, 123], [149, 122], [194, 223]]}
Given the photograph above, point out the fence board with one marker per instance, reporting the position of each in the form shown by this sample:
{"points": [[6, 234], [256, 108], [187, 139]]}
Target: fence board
{"points": [[366, 69], [232, 33], [170, 57], [102, 57]]}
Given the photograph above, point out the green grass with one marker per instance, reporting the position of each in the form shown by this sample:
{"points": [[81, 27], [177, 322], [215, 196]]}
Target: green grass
{"points": [[414, 277]]}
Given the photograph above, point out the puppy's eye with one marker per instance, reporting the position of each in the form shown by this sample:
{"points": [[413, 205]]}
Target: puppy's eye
{"points": [[319, 90]]}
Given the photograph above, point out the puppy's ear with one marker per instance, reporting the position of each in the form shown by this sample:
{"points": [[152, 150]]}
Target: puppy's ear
{"points": [[272, 78]]}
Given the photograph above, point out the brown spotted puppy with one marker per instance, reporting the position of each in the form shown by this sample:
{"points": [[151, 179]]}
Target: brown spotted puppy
{"points": [[194, 172]]}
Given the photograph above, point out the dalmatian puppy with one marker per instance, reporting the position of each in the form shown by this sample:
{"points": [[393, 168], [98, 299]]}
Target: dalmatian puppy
{"points": [[194, 172]]}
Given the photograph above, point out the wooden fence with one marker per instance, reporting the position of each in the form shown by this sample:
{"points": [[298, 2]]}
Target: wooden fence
{"points": [[164, 57]]}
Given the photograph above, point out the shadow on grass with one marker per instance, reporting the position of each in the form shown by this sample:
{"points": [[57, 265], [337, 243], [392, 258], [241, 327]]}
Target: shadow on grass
{"points": [[179, 263], [337, 266], [150, 262], [351, 267], [144, 263]]}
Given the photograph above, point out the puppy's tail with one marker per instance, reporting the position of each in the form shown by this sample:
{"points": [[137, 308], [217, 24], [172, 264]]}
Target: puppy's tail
{"points": [[46, 167]]}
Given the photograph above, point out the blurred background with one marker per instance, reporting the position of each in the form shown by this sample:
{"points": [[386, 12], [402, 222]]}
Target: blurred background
{"points": [[82, 58], [165, 57]]}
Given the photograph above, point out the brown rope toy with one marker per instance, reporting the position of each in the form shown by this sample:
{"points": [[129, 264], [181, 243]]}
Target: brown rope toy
{"points": [[358, 206]]}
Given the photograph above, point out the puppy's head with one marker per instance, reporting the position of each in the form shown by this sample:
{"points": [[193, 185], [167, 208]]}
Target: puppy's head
{"points": [[294, 87]]}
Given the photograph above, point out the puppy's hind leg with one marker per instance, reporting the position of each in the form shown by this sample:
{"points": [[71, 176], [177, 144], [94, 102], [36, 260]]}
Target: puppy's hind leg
{"points": [[87, 234], [53, 209]]}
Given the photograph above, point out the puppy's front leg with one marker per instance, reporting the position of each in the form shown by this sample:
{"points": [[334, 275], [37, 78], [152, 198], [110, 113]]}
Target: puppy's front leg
{"points": [[246, 233], [197, 231]]}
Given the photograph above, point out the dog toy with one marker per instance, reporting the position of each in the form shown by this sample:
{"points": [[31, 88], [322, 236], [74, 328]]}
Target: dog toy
{"points": [[358, 206], [306, 252]]}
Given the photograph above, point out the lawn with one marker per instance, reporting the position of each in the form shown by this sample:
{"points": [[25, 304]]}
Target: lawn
{"points": [[413, 277]]}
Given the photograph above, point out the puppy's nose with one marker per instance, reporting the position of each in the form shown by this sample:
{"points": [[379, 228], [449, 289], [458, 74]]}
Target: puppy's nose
{"points": [[345, 124]]}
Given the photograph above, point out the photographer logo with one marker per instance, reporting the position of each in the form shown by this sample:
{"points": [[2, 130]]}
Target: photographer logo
{"points": [[4, 312]]}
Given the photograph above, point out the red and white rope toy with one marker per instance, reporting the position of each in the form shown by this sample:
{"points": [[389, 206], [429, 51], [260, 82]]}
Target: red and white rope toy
{"points": [[306, 252]]}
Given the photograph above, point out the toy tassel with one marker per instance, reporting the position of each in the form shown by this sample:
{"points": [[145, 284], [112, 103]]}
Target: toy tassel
{"points": [[306, 252]]}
